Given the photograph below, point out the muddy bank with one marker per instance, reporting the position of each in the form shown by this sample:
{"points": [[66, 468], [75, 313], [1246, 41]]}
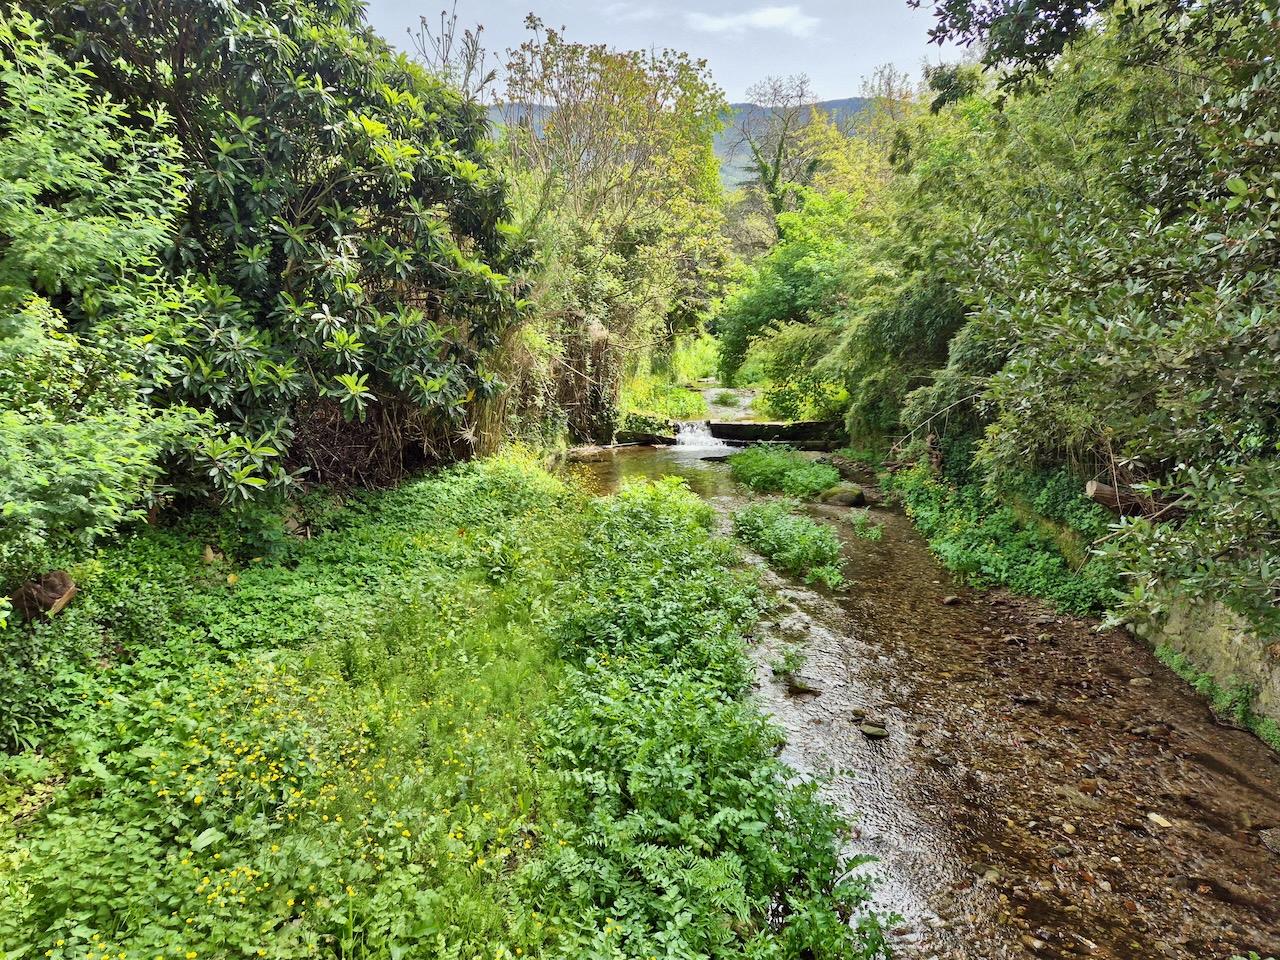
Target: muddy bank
{"points": [[1045, 789]]}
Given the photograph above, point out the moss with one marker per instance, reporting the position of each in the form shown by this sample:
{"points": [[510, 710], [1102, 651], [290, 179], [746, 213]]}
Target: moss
{"points": [[1234, 703]]}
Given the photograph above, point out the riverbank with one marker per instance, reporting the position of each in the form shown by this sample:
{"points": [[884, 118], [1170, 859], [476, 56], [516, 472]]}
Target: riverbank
{"points": [[480, 715], [1045, 789]]}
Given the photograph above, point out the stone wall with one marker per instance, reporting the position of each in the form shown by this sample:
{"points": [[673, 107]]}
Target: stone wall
{"points": [[1219, 642], [1215, 640]]}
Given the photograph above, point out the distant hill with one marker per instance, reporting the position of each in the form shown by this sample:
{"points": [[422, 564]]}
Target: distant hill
{"points": [[732, 169]]}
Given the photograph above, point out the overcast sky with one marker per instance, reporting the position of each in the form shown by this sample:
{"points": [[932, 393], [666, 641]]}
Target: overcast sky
{"points": [[836, 42]]}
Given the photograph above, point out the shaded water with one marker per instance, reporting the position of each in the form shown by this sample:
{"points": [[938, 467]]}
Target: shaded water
{"points": [[1045, 789]]}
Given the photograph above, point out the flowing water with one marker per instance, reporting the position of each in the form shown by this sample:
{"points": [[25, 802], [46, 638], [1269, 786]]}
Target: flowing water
{"points": [[1046, 789], [696, 436]]}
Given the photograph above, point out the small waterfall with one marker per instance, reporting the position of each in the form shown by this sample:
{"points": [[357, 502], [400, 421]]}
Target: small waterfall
{"points": [[696, 435]]}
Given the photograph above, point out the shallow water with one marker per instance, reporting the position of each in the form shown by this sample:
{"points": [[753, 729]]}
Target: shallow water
{"points": [[1046, 789]]}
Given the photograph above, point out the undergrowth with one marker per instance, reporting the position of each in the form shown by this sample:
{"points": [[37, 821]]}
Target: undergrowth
{"points": [[986, 544], [481, 715], [864, 526], [781, 470], [657, 396], [791, 542]]}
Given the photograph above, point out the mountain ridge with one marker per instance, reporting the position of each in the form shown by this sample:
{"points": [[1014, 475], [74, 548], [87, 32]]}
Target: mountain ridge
{"points": [[733, 170]]}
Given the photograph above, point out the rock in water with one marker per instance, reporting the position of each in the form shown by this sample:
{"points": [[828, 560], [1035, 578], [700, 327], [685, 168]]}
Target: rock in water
{"points": [[873, 731], [45, 596], [845, 495]]}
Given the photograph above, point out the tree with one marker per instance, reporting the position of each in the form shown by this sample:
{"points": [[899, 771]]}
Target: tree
{"points": [[346, 231], [769, 128], [1026, 36], [616, 183]]}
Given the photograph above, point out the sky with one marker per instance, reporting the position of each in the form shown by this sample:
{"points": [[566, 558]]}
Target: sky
{"points": [[835, 42]]}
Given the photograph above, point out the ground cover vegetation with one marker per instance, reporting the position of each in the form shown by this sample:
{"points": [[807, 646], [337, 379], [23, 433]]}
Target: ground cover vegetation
{"points": [[791, 541], [1056, 269], [774, 469], [481, 715], [252, 261]]}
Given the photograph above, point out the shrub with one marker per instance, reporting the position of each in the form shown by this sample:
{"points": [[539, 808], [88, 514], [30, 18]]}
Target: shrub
{"points": [[694, 358], [86, 199], [636, 422], [651, 395], [803, 397], [346, 233], [781, 470], [791, 542]]}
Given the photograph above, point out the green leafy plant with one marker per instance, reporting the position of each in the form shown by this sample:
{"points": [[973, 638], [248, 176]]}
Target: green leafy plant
{"points": [[1234, 703], [791, 542], [86, 200], [789, 663], [992, 546], [652, 395], [345, 233], [481, 710], [635, 421], [864, 526], [770, 469]]}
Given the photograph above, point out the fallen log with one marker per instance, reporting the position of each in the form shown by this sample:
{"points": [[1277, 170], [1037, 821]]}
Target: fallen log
{"points": [[1129, 502], [45, 596]]}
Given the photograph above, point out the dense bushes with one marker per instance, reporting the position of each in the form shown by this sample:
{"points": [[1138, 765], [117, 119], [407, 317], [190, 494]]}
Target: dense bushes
{"points": [[343, 235], [1075, 274], [781, 470], [791, 542], [479, 714], [86, 201]]}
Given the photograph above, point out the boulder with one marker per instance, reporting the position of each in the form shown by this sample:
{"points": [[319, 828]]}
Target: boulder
{"points": [[844, 495]]}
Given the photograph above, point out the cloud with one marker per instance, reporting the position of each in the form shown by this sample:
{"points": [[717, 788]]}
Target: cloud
{"points": [[627, 12], [789, 19]]}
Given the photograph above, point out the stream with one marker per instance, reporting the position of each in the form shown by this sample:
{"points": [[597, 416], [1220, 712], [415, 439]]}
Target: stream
{"points": [[1046, 788]]}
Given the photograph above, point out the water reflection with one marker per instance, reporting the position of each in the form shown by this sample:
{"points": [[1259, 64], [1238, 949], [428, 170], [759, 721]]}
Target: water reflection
{"points": [[701, 465]]}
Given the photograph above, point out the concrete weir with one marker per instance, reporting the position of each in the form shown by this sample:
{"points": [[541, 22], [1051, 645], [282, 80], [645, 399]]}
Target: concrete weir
{"points": [[806, 434]]}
